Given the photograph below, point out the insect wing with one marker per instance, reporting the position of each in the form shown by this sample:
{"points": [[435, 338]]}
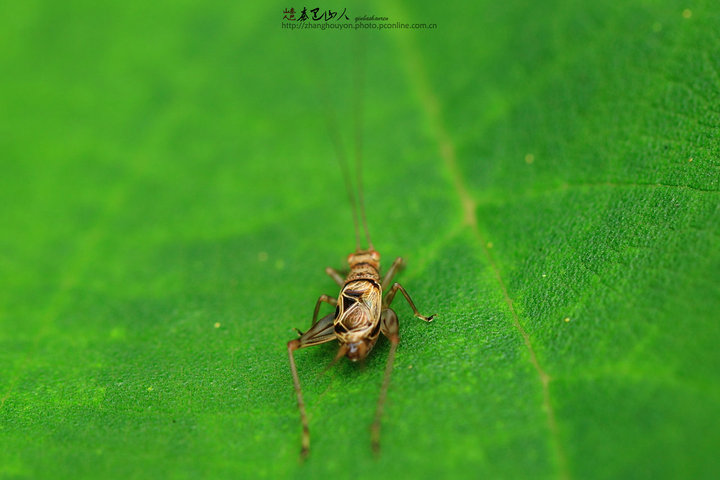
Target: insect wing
{"points": [[360, 305]]}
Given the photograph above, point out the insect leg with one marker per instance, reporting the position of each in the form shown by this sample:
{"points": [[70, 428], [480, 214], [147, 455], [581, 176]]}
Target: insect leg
{"points": [[398, 263], [391, 295], [335, 276], [389, 328], [321, 332], [323, 298]]}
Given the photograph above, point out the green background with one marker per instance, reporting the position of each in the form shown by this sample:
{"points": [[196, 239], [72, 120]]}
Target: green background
{"points": [[169, 198]]}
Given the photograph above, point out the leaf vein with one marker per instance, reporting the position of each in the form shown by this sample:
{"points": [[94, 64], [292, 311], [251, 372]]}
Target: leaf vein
{"points": [[446, 148]]}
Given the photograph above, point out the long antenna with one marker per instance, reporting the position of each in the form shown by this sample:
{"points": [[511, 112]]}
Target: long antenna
{"points": [[342, 160], [359, 95], [336, 140]]}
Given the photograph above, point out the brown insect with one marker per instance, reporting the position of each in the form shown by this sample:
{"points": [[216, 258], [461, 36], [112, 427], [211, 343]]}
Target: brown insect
{"points": [[361, 312]]}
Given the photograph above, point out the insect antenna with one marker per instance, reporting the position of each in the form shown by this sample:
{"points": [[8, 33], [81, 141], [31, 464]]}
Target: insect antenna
{"points": [[336, 140], [342, 160], [359, 96]]}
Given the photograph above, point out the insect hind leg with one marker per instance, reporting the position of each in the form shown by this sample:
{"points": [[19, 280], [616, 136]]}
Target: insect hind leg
{"points": [[321, 332], [389, 328]]}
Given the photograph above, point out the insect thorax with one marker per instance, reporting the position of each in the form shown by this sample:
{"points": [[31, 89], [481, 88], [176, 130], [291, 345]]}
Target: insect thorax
{"points": [[363, 271]]}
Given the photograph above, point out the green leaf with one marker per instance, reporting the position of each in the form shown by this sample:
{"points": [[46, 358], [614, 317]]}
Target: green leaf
{"points": [[170, 198]]}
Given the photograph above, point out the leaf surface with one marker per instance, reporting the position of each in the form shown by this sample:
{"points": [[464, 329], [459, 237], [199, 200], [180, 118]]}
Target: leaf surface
{"points": [[170, 199]]}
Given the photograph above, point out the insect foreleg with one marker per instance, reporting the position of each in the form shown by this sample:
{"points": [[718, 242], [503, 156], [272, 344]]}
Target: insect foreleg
{"points": [[323, 298], [321, 332], [389, 328], [335, 276], [397, 264], [391, 295]]}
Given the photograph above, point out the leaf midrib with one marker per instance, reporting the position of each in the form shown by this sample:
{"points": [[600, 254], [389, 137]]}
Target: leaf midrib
{"points": [[429, 103]]}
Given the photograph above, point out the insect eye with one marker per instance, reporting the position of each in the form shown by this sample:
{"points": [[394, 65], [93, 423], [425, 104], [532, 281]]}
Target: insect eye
{"points": [[375, 255]]}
